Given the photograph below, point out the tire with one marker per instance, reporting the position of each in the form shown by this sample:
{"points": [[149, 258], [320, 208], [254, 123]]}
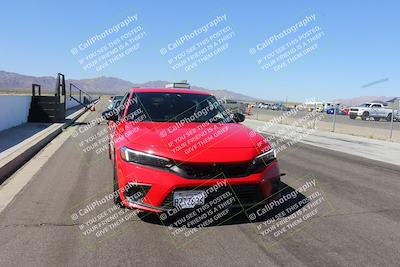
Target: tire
{"points": [[377, 119], [117, 199], [389, 117], [364, 116], [353, 117]]}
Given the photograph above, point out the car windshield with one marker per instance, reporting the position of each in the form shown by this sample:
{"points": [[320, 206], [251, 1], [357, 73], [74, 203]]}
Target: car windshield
{"points": [[366, 105], [176, 107]]}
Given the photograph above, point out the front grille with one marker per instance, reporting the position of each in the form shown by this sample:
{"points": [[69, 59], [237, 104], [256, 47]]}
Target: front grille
{"points": [[354, 109], [244, 194], [217, 171]]}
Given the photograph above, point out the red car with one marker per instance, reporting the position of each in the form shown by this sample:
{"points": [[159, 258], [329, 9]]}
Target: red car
{"points": [[172, 147]]}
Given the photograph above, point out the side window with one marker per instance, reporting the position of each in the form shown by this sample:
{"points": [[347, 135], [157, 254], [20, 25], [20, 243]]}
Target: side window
{"points": [[136, 111]]}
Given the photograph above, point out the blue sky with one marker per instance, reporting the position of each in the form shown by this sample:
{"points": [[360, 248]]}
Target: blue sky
{"points": [[360, 44]]}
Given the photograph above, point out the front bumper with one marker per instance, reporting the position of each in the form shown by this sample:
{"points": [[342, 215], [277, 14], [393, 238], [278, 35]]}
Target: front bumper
{"points": [[156, 186], [356, 113]]}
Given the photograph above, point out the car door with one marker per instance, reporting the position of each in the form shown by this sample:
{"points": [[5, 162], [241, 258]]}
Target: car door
{"points": [[376, 111]]}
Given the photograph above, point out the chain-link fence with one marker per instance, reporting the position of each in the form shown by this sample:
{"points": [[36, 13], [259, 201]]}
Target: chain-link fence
{"points": [[381, 128]]}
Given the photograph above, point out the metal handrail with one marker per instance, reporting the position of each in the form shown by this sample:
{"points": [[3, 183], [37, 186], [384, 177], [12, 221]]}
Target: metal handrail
{"points": [[82, 95]]}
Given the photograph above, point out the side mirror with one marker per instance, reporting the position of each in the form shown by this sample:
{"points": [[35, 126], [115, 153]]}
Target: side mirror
{"points": [[238, 117], [110, 115]]}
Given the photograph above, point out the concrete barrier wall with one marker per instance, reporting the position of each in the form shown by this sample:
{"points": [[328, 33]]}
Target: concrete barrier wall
{"points": [[14, 110]]}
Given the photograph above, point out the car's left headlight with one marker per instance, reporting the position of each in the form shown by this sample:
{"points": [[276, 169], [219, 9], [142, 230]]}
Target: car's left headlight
{"points": [[266, 157], [130, 155]]}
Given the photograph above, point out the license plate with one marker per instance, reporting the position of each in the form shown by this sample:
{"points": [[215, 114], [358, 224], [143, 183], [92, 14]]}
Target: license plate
{"points": [[188, 199]]}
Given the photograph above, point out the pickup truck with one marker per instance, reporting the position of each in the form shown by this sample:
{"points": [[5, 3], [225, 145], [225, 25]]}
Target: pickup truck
{"points": [[376, 111]]}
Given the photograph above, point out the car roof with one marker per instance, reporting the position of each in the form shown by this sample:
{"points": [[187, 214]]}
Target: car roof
{"points": [[168, 90]]}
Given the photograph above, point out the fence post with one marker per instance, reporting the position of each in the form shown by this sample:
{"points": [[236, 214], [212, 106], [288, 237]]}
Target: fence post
{"points": [[257, 112], [334, 118], [315, 114], [391, 122]]}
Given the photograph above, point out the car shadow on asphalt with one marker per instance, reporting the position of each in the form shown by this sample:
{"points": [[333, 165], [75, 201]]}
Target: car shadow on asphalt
{"points": [[258, 213]]}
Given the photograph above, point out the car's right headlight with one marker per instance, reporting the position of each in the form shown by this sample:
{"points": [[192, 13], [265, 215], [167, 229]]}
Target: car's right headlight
{"points": [[130, 155]]}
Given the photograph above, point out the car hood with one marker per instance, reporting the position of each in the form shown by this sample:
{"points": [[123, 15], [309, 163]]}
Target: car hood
{"points": [[195, 142]]}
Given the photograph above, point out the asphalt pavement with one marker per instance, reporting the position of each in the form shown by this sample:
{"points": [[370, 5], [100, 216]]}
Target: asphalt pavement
{"points": [[358, 226]]}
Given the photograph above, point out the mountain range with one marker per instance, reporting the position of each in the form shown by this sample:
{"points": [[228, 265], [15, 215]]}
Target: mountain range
{"points": [[14, 82]]}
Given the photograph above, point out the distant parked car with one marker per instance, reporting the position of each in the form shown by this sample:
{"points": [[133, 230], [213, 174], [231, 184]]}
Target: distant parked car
{"points": [[332, 111], [339, 111], [279, 107], [310, 106], [264, 106], [376, 111], [320, 108], [234, 106], [345, 111]]}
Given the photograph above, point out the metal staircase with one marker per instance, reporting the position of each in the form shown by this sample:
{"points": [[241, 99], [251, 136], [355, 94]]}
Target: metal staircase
{"points": [[48, 108]]}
